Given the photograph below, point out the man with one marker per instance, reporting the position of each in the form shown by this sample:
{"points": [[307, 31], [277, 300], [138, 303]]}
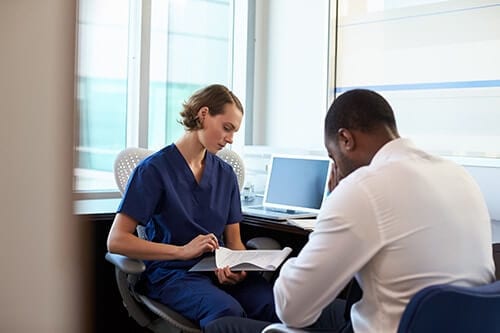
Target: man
{"points": [[398, 220]]}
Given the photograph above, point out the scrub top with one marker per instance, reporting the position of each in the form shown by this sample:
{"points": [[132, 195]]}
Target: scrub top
{"points": [[163, 195]]}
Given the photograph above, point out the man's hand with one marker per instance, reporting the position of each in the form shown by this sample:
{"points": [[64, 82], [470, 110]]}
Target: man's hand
{"points": [[199, 245], [226, 276], [334, 179]]}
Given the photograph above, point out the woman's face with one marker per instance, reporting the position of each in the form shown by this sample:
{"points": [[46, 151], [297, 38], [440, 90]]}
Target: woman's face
{"points": [[218, 130]]}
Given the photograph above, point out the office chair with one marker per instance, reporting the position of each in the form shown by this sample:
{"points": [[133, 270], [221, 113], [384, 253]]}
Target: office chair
{"points": [[442, 308], [448, 308], [234, 160], [145, 311]]}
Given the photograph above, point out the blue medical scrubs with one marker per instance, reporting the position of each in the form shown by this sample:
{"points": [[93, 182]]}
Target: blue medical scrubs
{"points": [[163, 195]]}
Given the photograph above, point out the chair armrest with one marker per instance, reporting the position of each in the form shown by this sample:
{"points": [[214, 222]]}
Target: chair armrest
{"points": [[263, 243], [282, 328], [126, 264]]}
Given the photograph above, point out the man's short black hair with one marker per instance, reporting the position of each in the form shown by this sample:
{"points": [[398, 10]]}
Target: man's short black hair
{"points": [[359, 109]]}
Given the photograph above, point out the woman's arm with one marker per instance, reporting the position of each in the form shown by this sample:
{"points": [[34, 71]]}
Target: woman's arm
{"points": [[232, 237], [121, 240]]}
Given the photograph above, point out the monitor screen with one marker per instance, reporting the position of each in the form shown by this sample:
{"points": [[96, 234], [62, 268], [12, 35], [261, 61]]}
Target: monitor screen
{"points": [[297, 182]]}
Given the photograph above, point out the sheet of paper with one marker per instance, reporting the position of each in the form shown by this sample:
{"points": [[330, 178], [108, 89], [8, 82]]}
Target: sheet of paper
{"points": [[307, 224]]}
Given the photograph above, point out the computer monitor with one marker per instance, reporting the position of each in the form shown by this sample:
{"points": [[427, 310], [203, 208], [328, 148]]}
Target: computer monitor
{"points": [[297, 182]]}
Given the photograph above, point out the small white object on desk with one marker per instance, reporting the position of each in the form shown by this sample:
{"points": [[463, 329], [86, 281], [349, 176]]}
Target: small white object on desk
{"points": [[306, 224]]}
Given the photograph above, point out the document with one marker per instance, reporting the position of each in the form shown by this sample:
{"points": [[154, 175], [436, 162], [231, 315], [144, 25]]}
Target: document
{"points": [[243, 260], [306, 224], [265, 260]]}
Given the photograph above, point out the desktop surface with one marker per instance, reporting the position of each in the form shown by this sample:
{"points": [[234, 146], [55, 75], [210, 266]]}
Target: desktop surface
{"points": [[105, 209]]}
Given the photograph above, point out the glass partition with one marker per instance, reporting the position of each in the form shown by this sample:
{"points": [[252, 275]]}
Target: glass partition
{"points": [[437, 64]]}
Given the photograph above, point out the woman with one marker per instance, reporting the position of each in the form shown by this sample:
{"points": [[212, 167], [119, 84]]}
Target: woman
{"points": [[188, 200]]}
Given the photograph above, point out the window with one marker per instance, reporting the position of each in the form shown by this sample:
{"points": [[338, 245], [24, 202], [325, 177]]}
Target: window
{"points": [[138, 62], [190, 47], [102, 90], [435, 61]]}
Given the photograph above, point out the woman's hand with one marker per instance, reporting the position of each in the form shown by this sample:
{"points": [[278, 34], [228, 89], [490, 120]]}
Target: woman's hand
{"points": [[199, 245], [226, 276]]}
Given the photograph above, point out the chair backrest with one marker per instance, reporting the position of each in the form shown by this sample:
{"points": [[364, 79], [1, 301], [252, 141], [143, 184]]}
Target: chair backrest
{"points": [[125, 163], [127, 160], [235, 161], [448, 308]]}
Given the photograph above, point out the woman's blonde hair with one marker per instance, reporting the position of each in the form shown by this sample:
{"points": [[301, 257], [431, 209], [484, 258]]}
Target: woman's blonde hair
{"points": [[214, 97]]}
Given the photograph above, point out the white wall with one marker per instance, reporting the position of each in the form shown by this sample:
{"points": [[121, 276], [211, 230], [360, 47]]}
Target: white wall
{"points": [[40, 243], [290, 97], [488, 179]]}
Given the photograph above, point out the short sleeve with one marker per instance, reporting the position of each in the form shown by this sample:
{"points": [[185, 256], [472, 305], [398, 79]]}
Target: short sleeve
{"points": [[142, 194]]}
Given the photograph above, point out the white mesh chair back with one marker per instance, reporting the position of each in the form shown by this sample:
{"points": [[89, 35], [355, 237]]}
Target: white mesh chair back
{"points": [[234, 160], [125, 163], [128, 159]]}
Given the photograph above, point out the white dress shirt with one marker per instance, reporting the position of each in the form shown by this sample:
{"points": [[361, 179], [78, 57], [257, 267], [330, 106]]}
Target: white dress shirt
{"points": [[406, 221]]}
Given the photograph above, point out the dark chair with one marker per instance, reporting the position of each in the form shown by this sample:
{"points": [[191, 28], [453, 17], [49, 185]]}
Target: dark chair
{"points": [[448, 308], [443, 308], [145, 311]]}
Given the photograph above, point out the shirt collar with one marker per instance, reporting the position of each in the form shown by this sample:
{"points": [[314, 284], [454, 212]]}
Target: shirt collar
{"points": [[392, 150]]}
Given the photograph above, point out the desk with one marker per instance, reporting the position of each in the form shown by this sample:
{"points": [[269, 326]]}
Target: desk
{"points": [[285, 233], [104, 210], [274, 225]]}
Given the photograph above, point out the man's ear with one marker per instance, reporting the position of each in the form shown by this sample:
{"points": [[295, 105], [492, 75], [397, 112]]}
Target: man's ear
{"points": [[202, 113], [346, 139]]}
